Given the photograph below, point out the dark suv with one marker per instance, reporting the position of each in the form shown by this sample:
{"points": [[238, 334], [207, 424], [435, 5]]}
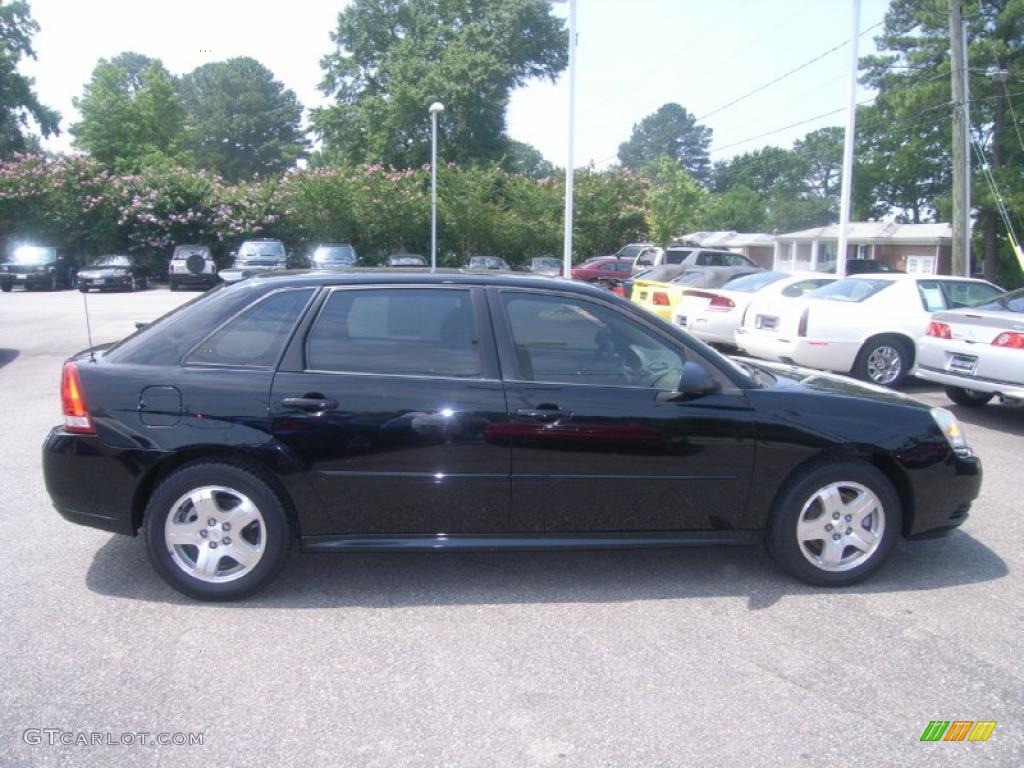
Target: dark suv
{"points": [[33, 266], [386, 410]]}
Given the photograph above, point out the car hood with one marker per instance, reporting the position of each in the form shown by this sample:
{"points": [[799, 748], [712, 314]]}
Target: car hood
{"points": [[794, 378]]}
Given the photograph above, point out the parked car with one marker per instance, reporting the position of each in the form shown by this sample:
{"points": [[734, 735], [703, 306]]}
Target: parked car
{"points": [[977, 352], [690, 256], [866, 325], [487, 262], [665, 286], [714, 315], [261, 254], [603, 268], [191, 266], [116, 272], [375, 411], [35, 266], [405, 260], [333, 256], [548, 266], [867, 266]]}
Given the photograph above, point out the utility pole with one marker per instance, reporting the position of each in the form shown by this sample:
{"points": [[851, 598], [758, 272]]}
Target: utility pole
{"points": [[846, 188], [961, 160]]}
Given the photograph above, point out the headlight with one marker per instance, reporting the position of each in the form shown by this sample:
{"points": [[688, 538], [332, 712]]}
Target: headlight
{"points": [[950, 426]]}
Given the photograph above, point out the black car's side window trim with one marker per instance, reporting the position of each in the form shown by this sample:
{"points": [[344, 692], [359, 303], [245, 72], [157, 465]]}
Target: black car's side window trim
{"points": [[186, 362], [510, 364], [295, 358]]}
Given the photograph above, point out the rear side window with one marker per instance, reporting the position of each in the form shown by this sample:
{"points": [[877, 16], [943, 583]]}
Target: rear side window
{"points": [[850, 290], [677, 257], [256, 337], [804, 286], [965, 294], [931, 295], [398, 331]]}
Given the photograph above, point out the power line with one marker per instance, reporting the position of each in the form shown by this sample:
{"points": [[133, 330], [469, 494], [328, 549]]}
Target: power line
{"points": [[1013, 114], [784, 75]]}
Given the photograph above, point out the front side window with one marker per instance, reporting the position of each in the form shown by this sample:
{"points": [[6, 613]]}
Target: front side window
{"points": [[396, 331], [646, 258], [256, 337], [565, 340]]}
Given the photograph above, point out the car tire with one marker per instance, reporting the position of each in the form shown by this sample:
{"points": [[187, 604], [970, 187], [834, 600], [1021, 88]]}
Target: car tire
{"points": [[848, 499], [6, 287], [969, 398], [192, 531], [83, 289], [884, 360], [173, 284]]}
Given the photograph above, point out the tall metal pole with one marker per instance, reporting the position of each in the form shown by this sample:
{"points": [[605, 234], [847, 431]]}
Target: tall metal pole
{"points": [[567, 248], [967, 154], [961, 225], [846, 190], [435, 108]]}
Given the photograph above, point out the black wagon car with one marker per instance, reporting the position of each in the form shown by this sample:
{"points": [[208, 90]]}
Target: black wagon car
{"points": [[35, 266], [115, 272], [383, 410]]}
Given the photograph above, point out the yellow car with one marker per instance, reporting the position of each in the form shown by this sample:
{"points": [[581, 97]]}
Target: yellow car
{"points": [[661, 289]]}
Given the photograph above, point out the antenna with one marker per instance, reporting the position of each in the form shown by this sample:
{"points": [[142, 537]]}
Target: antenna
{"points": [[88, 327]]}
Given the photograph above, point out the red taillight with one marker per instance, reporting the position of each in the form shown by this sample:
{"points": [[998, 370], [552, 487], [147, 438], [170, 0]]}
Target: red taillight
{"points": [[1010, 340], [801, 329], [618, 290], [721, 304], [939, 330], [660, 299], [76, 416]]}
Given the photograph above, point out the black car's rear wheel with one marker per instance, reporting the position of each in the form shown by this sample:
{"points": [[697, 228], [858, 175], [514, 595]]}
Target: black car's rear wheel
{"points": [[835, 524], [969, 398], [216, 531]]}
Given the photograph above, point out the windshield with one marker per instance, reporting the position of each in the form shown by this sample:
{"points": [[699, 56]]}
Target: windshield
{"points": [[335, 253], [755, 282], [270, 248], [32, 254], [1008, 302], [849, 290], [112, 261]]}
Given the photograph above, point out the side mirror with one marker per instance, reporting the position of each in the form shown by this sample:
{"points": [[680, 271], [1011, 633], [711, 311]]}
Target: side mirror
{"points": [[694, 381]]}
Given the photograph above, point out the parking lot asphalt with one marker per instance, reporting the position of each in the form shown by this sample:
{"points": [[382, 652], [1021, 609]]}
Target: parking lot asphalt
{"points": [[649, 658]]}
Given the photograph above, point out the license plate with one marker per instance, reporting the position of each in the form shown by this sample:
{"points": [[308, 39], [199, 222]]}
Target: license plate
{"points": [[643, 295], [21, 277], [99, 281], [765, 323], [962, 364], [681, 320]]}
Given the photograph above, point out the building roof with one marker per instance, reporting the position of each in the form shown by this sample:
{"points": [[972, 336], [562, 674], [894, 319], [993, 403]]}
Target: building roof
{"points": [[879, 232], [729, 239]]}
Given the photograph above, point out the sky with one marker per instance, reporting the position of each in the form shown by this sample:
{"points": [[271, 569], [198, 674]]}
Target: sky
{"points": [[632, 57]]}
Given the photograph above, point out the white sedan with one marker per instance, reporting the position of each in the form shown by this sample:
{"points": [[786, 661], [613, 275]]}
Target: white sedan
{"points": [[977, 352], [867, 325], [714, 315]]}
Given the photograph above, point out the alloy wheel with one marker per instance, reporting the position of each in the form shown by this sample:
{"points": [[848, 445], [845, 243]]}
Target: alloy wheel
{"points": [[840, 526], [885, 364], [215, 534]]}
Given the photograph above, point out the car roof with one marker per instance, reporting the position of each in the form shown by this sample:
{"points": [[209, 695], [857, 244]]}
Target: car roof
{"points": [[904, 277], [421, 276]]}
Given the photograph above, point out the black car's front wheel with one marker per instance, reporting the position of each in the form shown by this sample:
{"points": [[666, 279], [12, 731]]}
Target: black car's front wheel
{"points": [[216, 531], [835, 524]]}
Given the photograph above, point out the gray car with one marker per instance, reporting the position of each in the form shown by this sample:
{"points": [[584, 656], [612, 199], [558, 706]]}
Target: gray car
{"points": [[977, 352]]}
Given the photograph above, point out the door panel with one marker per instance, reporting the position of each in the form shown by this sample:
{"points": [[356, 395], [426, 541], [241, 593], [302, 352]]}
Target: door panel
{"points": [[598, 449], [393, 411]]}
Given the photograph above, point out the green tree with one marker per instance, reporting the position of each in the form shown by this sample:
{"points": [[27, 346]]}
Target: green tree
{"points": [[130, 113], [527, 160], [761, 170], [675, 203], [670, 132], [240, 121], [19, 105], [395, 57], [738, 209]]}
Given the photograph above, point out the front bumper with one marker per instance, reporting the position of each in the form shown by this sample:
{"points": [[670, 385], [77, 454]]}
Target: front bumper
{"points": [[25, 278], [943, 496], [998, 370], [103, 283], [188, 278], [91, 483]]}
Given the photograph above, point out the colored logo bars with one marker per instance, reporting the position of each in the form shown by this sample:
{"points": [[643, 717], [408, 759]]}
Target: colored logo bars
{"points": [[958, 730]]}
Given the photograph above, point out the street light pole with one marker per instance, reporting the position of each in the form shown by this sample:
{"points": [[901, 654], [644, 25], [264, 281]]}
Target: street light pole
{"points": [[567, 247], [435, 108], [846, 186]]}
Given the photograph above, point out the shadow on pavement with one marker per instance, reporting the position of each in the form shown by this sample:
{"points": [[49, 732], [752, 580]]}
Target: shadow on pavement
{"points": [[7, 355], [120, 569]]}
